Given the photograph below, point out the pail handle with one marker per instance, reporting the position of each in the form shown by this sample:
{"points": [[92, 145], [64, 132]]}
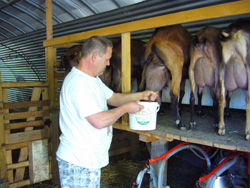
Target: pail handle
{"points": [[157, 109]]}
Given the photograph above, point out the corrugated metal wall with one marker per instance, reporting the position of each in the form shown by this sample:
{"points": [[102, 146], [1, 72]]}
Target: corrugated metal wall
{"points": [[22, 58]]}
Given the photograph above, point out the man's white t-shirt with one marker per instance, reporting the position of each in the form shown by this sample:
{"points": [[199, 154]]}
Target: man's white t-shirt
{"points": [[80, 142]]}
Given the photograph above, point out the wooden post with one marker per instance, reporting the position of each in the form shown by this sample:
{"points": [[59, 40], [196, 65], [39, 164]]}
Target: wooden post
{"points": [[126, 85], [126, 68], [50, 60], [134, 144], [158, 148], [8, 153], [55, 133], [3, 167], [49, 24], [50, 53]]}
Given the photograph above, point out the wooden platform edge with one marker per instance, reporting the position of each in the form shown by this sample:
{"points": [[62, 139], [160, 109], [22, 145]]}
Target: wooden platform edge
{"points": [[170, 137], [125, 126]]}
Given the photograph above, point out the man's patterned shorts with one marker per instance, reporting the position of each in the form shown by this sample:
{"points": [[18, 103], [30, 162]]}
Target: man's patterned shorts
{"points": [[73, 176]]}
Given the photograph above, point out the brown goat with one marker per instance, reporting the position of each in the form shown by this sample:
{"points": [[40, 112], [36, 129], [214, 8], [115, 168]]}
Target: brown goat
{"points": [[71, 58], [167, 56], [234, 72], [205, 58]]}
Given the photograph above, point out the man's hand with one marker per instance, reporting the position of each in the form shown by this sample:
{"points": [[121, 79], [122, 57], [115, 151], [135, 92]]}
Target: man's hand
{"points": [[134, 107], [149, 95]]}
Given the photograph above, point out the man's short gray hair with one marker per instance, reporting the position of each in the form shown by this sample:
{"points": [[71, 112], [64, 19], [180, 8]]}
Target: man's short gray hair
{"points": [[96, 44]]}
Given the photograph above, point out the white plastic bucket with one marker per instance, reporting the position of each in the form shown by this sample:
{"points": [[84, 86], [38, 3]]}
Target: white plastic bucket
{"points": [[146, 118]]}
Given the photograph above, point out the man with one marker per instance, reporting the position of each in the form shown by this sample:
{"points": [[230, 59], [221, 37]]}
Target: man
{"points": [[85, 120]]}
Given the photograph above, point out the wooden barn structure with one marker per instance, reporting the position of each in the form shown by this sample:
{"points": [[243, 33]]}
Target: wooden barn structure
{"points": [[33, 134]]}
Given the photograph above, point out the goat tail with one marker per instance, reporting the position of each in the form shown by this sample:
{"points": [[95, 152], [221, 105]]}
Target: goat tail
{"points": [[148, 50], [142, 85]]}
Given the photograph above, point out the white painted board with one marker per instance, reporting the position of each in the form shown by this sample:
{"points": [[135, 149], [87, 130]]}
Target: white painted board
{"points": [[39, 160]]}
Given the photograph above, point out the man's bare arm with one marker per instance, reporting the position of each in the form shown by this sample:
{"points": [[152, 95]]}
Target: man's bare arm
{"points": [[107, 118]]}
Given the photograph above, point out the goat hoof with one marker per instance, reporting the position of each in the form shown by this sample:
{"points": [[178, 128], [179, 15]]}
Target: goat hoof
{"points": [[221, 131], [180, 125], [192, 125], [200, 113]]}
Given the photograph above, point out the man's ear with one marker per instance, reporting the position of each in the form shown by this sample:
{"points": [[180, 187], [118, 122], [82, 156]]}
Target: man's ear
{"points": [[94, 56]]}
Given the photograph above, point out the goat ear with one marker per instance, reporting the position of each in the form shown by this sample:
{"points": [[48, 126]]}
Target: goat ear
{"points": [[225, 34]]}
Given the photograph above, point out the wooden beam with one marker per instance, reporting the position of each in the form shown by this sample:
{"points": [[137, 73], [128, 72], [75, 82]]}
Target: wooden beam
{"points": [[55, 133], [24, 115], [25, 124], [68, 45], [49, 23], [24, 84], [59, 75], [45, 97], [50, 59], [51, 62], [211, 12], [119, 151], [57, 64], [6, 133], [126, 67], [19, 184], [134, 144], [25, 104], [28, 136], [3, 167], [125, 127], [126, 63], [18, 165], [16, 146], [147, 139], [50, 52]]}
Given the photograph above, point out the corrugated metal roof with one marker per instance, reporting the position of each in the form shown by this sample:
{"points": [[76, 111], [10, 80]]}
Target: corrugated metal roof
{"points": [[22, 31], [24, 16]]}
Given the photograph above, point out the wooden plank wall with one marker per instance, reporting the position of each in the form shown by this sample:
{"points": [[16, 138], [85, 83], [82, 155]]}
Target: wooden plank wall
{"points": [[22, 122]]}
